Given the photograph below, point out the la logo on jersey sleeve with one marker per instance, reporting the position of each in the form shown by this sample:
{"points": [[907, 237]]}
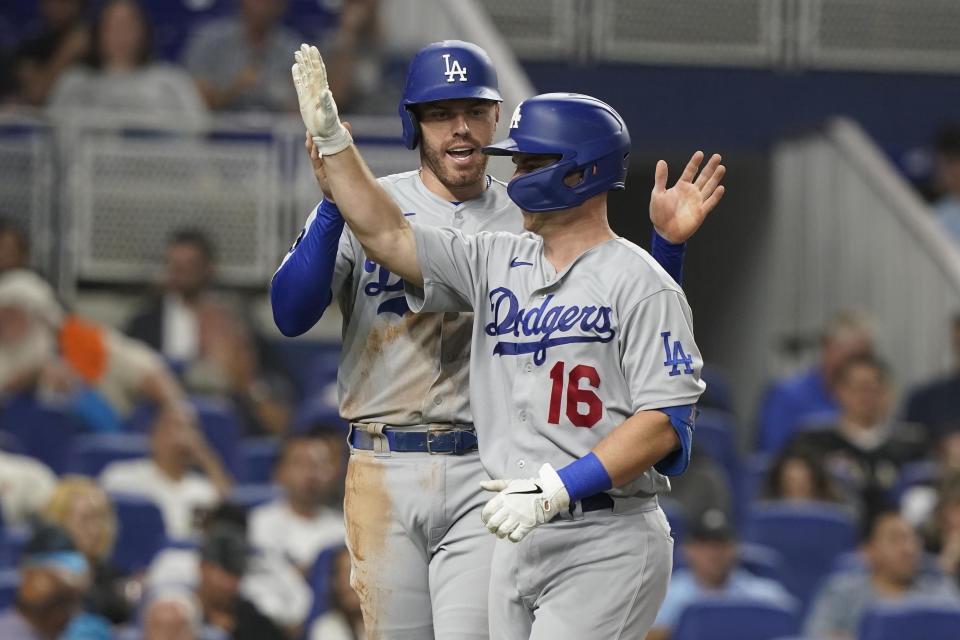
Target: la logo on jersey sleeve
{"points": [[676, 356]]}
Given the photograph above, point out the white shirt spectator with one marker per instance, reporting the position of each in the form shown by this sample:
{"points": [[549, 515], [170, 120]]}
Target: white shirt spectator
{"points": [[271, 583], [276, 527], [333, 625], [178, 500], [25, 487]]}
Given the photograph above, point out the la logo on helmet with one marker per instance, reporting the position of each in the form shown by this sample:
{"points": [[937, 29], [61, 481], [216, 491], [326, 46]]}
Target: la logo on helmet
{"points": [[454, 70], [515, 120]]}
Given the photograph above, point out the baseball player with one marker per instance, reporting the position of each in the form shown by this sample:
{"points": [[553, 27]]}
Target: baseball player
{"points": [[421, 560]]}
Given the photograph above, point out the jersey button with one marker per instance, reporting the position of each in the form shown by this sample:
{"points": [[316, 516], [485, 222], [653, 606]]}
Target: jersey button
{"points": [[528, 367], [437, 400], [523, 416], [521, 464], [458, 215]]}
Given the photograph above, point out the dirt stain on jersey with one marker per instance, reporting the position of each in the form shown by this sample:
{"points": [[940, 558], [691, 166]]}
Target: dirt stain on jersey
{"points": [[368, 513], [389, 379]]}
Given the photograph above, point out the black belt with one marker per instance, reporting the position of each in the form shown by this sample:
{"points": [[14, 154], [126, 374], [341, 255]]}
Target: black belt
{"points": [[438, 440], [596, 502]]}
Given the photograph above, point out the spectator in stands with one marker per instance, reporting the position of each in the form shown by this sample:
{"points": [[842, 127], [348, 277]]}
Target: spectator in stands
{"points": [[703, 485], [119, 74], [301, 524], [270, 582], [64, 359], [243, 62], [937, 403], [84, 511], [798, 475], [355, 68], [344, 619], [168, 478], [210, 343], [942, 530], [797, 401], [864, 448], [173, 614], [947, 208], [53, 578], [892, 551], [14, 247], [43, 57], [224, 557], [710, 548], [25, 486]]}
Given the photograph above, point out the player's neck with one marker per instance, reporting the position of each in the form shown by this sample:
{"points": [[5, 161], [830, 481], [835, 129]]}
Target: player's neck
{"points": [[569, 233], [452, 194]]}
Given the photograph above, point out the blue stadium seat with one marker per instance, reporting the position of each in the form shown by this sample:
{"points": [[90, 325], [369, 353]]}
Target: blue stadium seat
{"points": [[716, 435], [922, 472], [89, 454], [310, 364], [174, 21], [762, 561], [12, 540], [927, 620], [320, 580], [253, 495], [221, 426], [675, 517], [316, 411], [809, 536], [9, 579], [735, 620], [140, 531], [755, 469], [44, 432], [257, 459]]}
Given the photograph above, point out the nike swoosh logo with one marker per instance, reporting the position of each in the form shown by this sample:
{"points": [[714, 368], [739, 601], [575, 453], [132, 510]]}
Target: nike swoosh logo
{"points": [[516, 262], [537, 490]]}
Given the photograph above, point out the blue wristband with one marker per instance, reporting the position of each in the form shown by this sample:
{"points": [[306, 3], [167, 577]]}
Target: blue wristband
{"points": [[669, 255], [585, 477]]}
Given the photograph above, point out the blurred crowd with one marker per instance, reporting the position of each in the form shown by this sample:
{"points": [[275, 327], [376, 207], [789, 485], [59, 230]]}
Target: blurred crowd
{"points": [[175, 479], [161, 482], [221, 55]]}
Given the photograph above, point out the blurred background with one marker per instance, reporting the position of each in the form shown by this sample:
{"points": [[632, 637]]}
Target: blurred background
{"points": [[152, 176]]}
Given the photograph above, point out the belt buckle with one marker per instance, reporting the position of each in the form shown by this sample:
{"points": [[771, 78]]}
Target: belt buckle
{"points": [[438, 430]]}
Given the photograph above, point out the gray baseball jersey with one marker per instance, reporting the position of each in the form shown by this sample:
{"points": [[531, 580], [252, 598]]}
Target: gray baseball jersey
{"points": [[396, 367], [559, 360]]}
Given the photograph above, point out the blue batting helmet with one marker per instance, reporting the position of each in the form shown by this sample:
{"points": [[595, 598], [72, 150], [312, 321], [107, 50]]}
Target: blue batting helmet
{"points": [[586, 133], [446, 70]]}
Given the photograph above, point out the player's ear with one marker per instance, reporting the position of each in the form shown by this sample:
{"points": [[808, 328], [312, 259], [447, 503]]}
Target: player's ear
{"points": [[496, 114]]}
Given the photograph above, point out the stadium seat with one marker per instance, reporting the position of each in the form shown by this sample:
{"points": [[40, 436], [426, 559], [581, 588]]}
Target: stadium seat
{"points": [[12, 540], [9, 579], [809, 536], [762, 561], [44, 432], [716, 435], [140, 531], [675, 517], [755, 469], [922, 472], [735, 620], [89, 454], [310, 364], [319, 579], [249, 496], [257, 458], [927, 620]]}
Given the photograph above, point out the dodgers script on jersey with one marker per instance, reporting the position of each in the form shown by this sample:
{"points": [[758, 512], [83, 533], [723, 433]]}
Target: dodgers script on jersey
{"points": [[558, 361], [397, 367]]}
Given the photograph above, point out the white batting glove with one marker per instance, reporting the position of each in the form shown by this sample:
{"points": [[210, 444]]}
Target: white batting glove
{"points": [[317, 107], [524, 504]]}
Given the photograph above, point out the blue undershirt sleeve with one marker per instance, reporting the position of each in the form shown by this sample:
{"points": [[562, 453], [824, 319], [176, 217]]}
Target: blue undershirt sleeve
{"points": [[682, 418], [302, 287], [669, 255]]}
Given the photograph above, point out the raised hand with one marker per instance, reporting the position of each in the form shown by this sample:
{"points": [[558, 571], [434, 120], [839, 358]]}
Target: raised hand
{"points": [[677, 212], [317, 107]]}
